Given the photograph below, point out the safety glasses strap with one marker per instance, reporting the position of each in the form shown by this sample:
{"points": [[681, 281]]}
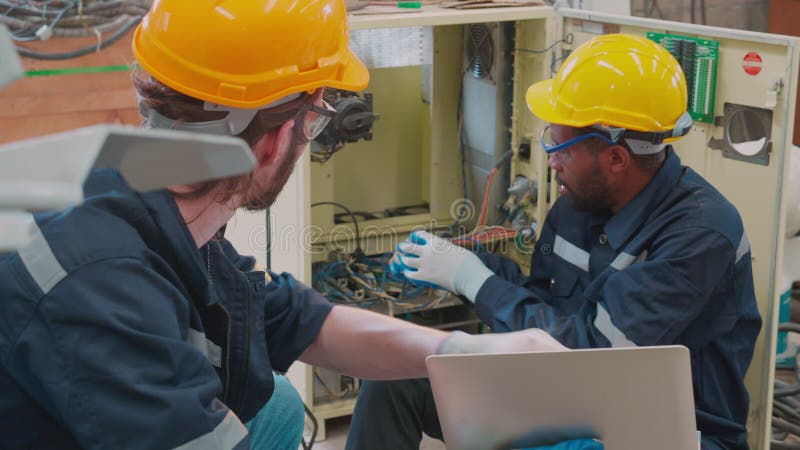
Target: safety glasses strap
{"points": [[157, 120], [681, 128], [548, 148], [235, 122]]}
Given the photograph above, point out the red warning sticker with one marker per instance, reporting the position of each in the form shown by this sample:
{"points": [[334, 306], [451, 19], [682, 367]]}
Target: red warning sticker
{"points": [[752, 63]]}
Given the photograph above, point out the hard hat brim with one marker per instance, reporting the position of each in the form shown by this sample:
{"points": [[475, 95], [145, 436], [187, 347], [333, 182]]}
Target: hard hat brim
{"points": [[355, 76], [539, 97], [352, 75]]}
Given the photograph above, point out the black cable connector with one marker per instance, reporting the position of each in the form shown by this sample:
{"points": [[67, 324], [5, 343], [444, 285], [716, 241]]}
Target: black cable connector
{"points": [[357, 253]]}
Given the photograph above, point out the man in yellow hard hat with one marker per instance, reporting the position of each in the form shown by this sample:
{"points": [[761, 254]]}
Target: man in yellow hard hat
{"points": [[638, 250], [130, 322]]}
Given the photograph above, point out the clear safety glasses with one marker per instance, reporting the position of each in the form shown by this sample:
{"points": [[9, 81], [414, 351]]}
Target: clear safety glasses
{"points": [[550, 145], [315, 120], [612, 135]]}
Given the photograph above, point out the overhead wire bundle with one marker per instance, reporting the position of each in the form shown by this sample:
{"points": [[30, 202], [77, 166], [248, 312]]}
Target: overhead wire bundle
{"points": [[39, 20]]}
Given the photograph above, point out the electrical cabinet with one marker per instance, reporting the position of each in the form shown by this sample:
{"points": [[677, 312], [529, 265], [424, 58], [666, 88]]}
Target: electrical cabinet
{"points": [[416, 159]]}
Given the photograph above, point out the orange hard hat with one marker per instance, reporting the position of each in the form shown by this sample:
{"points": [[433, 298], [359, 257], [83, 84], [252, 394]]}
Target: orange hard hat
{"points": [[247, 54]]}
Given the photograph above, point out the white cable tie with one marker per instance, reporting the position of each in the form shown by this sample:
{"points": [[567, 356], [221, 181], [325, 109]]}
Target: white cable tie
{"points": [[99, 38], [44, 32]]}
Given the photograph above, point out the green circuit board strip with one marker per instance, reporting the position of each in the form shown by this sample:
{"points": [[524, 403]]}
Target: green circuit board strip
{"points": [[699, 60]]}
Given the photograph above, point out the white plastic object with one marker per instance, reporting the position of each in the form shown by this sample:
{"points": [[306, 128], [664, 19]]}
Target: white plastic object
{"points": [[48, 172], [44, 32], [16, 228], [10, 66]]}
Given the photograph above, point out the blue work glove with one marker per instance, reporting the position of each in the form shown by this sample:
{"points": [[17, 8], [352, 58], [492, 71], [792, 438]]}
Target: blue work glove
{"points": [[575, 444], [426, 258], [576, 438], [562, 438]]}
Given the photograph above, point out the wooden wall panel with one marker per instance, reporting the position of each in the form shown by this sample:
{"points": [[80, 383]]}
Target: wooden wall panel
{"points": [[739, 14], [38, 105]]}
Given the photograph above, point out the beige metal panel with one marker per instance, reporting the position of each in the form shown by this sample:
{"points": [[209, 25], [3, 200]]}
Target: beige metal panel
{"points": [[787, 121], [289, 222], [756, 192], [437, 16], [425, 156], [445, 160], [535, 35], [289, 215], [377, 236], [322, 191], [384, 172], [692, 149], [675, 27]]}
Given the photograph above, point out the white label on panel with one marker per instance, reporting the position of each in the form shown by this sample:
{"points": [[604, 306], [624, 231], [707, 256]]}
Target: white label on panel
{"points": [[393, 47]]}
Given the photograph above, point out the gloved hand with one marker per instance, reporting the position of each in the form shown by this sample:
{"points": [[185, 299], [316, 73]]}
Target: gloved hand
{"points": [[427, 258], [561, 438], [575, 444], [530, 340]]}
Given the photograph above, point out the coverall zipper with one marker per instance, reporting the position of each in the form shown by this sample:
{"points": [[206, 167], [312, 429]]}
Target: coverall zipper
{"points": [[249, 327], [227, 367]]}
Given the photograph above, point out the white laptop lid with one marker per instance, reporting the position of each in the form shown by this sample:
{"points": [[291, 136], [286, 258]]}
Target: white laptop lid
{"points": [[635, 398]]}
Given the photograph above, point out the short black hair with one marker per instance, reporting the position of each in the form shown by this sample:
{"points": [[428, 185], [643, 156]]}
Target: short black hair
{"points": [[649, 163]]}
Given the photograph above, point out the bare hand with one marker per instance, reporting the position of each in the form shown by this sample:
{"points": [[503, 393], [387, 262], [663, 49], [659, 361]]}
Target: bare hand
{"points": [[530, 340]]}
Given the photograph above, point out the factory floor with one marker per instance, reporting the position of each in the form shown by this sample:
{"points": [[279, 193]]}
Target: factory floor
{"points": [[337, 436]]}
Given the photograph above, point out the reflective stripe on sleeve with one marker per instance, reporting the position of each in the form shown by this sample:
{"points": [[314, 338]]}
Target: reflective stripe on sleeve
{"points": [[41, 263], [571, 253], [744, 247], [225, 436], [604, 324], [624, 260], [211, 350]]}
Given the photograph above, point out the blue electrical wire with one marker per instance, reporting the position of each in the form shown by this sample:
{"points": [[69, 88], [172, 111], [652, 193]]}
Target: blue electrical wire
{"points": [[325, 279]]}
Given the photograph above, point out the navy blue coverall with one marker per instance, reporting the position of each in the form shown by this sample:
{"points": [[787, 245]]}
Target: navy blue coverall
{"points": [[116, 332], [671, 267]]}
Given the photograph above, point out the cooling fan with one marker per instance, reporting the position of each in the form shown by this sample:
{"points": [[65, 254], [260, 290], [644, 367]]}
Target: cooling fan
{"points": [[480, 50]]}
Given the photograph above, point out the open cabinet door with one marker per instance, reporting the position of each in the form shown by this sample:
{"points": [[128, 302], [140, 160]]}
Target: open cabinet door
{"points": [[739, 141], [742, 95]]}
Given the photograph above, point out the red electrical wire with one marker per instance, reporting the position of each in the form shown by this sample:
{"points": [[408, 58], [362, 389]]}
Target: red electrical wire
{"points": [[485, 202]]}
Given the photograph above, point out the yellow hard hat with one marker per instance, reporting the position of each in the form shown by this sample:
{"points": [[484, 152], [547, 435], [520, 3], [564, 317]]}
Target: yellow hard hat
{"points": [[247, 54], [617, 81]]}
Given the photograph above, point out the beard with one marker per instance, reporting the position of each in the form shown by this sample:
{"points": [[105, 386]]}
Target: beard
{"points": [[266, 192], [590, 194]]}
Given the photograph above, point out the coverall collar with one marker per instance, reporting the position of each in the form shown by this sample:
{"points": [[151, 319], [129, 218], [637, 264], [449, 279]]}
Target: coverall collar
{"points": [[622, 224], [157, 220], [179, 241]]}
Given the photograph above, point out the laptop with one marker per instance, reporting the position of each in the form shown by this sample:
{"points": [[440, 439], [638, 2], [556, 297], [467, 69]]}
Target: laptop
{"points": [[633, 398]]}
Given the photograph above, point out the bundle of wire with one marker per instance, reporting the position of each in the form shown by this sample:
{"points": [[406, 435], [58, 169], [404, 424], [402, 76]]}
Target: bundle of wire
{"points": [[786, 405], [368, 282], [34, 20]]}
